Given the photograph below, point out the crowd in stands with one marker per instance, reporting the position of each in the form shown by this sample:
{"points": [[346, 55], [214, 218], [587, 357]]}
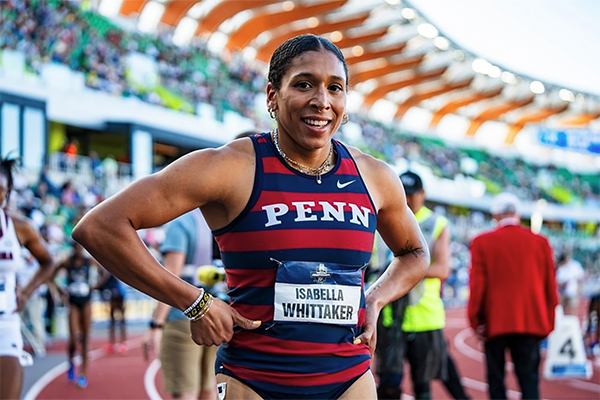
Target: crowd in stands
{"points": [[64, 33], [527, 181]]}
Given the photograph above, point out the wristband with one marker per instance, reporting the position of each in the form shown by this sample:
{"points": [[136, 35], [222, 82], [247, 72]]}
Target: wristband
{"points": [[154, 325], [199, 307]]}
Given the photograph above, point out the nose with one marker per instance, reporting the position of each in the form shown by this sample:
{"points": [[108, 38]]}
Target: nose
{"points": [[321, 99]]}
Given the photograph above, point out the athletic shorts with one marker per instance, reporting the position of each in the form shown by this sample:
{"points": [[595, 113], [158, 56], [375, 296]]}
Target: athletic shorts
{"points": [[11, 341], [427, 355], [79, 302], [186, 367]]}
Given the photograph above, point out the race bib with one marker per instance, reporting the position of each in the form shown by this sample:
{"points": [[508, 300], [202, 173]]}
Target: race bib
{"points": [[324, 293], [79, 289]]}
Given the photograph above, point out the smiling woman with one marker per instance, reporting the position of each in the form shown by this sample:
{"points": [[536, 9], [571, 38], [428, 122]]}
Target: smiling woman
{"points": [[294, 195]]}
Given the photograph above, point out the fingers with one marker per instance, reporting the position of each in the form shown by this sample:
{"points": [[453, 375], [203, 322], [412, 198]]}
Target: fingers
{"points": [[219, 325], [244, 323], [369, 338]]}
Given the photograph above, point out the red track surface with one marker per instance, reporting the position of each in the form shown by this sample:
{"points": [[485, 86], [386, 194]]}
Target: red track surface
{"points": [[122, 376]]}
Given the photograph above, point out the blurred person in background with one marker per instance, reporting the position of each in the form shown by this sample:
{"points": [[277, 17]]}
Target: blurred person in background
{"points": [[15, 232], [188, 369], [412, 327], [249, 193], [513, 297], [112, 291], [569, 279], [77, 294], [592, 327]]}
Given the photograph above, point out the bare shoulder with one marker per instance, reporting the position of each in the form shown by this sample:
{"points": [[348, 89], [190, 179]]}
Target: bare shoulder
{"points": [[370, 165], [379, 177], [24, 227], [215, 169], [237, 153]]}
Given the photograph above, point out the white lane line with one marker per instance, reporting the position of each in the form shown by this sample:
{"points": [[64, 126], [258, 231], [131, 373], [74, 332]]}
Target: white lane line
{"points": [[150, 379], [592, 387], [464, 348], [61, 368], [477, 355], [455, 322]]}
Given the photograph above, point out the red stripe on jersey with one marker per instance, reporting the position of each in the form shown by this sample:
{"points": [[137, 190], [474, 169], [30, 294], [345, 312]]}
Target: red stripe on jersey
{"points": [[272, 165], [362, 314], [266, 344], [255, 313], [347, 167], [291, 379], [271, 197], [342, 239], [252, 278]]}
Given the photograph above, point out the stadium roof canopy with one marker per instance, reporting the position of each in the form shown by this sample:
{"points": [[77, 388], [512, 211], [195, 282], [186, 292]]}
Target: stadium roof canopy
{"points": [[401, 64]]}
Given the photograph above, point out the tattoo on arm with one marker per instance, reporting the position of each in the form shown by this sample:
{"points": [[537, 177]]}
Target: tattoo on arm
{"points": [[409, 249]]}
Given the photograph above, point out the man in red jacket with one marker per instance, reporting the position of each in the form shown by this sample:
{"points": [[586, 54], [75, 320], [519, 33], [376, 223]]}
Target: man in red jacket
{"points": [[513, 296]]}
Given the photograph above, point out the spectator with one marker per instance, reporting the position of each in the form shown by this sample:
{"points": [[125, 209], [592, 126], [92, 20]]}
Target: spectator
{"points": [[513, 297], [569, 278]]}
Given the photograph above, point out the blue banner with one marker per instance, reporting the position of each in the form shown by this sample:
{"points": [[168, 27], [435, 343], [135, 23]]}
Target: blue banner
{"points": [[571, 139]]}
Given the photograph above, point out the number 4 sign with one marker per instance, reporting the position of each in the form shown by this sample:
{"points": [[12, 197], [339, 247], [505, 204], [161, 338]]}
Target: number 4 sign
{"points": [[565, 357]]}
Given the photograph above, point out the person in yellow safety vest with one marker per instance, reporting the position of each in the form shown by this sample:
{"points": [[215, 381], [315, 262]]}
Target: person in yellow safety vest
{"points": [[412, 327]]}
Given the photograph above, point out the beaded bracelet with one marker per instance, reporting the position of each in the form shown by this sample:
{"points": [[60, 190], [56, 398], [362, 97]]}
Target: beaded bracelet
{"points": [[204, 311], [199, 307]]}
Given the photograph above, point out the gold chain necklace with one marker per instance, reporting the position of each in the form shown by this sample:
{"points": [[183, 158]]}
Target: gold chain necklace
{"points": [[307, 170]]}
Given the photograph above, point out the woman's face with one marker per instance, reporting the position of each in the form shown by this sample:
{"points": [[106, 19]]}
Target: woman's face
{"points": [[312, 99]]}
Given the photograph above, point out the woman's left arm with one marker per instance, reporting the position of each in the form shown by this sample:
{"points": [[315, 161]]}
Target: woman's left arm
{"points": [[401, 233], [30, 238]]}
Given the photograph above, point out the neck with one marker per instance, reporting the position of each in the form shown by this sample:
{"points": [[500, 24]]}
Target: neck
{"points": [[315, 166]]}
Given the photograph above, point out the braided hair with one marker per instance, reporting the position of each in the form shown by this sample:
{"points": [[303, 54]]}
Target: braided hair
{"points": [[292, 48]]}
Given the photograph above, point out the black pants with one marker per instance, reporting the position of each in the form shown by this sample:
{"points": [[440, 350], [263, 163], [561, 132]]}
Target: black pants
{"points": [[452, 382], [525, 353]]}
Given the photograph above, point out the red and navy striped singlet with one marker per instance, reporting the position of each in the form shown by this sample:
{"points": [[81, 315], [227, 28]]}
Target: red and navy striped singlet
{"points": [[292, 217]]}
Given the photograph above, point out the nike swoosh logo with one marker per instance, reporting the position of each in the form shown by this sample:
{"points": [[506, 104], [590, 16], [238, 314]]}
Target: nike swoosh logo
{"points": [[341, 185]]}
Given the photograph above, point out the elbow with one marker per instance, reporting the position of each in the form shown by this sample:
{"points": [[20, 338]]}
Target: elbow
{"points": [[424, 266], [83, 231], [79, 232]]}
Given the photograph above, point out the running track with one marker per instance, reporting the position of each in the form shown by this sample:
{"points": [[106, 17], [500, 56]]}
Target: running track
{"points": [[130, 377]]}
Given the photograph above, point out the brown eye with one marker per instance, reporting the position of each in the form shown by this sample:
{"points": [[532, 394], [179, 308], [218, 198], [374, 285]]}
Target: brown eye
{"points": [[302, 85]]}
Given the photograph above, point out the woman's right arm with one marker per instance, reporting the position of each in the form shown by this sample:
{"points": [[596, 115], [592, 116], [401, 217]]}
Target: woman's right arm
{"points": [[215, 179]]}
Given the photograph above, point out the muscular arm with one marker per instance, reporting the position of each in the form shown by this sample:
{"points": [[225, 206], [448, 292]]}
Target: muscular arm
{"points": [[400, 231], [173, 262], [217, 180], [108, 231], [30, 238]]}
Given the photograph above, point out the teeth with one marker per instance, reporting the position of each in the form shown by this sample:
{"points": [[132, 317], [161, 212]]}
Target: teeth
{"points": [[315, 122]]}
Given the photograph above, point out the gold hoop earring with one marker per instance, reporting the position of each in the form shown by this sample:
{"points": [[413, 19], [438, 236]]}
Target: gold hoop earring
{"points": [[272, 113], [345, 119]]}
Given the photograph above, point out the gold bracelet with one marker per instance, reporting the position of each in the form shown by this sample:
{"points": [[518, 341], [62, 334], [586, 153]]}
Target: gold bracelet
{"points": [[204, 311], [199, 306]]}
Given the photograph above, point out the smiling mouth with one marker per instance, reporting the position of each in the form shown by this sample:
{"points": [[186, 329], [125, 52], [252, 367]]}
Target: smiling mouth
{"points": [[315, 123]]}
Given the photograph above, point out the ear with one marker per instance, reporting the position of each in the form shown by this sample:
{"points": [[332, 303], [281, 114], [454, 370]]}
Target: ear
{"points": [[271, 97]]}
